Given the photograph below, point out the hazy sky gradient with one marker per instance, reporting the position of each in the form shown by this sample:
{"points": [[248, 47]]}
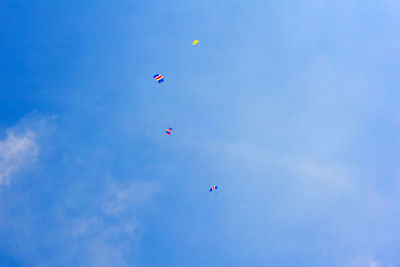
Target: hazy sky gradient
{"points": [[290, 107]]}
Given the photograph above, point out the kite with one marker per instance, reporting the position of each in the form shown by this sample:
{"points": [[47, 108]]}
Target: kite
{"points": [[168, 131], [195, 42], [213, 188], [158, 78]]}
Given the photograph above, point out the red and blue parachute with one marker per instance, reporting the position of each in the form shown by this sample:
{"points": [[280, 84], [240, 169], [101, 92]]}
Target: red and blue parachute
{"points": [[168, 131], [213, 188], [158, 78]]}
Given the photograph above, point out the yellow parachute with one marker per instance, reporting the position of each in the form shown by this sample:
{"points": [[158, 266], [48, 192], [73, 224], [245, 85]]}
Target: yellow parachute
{"points": [[195, 42]]}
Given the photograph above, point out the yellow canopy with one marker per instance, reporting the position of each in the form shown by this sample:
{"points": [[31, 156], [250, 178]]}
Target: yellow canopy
{"points": [[195, 42]]}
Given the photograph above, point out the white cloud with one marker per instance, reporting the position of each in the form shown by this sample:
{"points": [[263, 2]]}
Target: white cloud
{"points": [[16, 151], [22, 144], [375, 264]]}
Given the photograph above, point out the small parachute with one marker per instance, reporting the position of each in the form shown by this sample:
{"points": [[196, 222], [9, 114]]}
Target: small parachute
{"points": [[158, 78], [195, 42], [213, 188], [168, 131]]}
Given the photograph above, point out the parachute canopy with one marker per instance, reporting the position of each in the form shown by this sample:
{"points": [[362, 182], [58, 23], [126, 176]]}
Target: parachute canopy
{"points": [[158, 78], [195, 42], [168, 131], [213, 188]]}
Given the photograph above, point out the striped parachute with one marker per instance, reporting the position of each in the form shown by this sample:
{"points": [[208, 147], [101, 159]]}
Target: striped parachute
{"points": [[213, 188], [158, 78], [168, 131]]}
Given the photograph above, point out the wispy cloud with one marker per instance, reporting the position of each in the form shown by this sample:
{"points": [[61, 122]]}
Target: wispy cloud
{"points": [[22, 144], [104, 235], [121, 197], [16, 151], [375, 264]]}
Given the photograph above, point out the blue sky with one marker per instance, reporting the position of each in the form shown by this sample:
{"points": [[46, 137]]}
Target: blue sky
{"points": [[290, 107]]}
